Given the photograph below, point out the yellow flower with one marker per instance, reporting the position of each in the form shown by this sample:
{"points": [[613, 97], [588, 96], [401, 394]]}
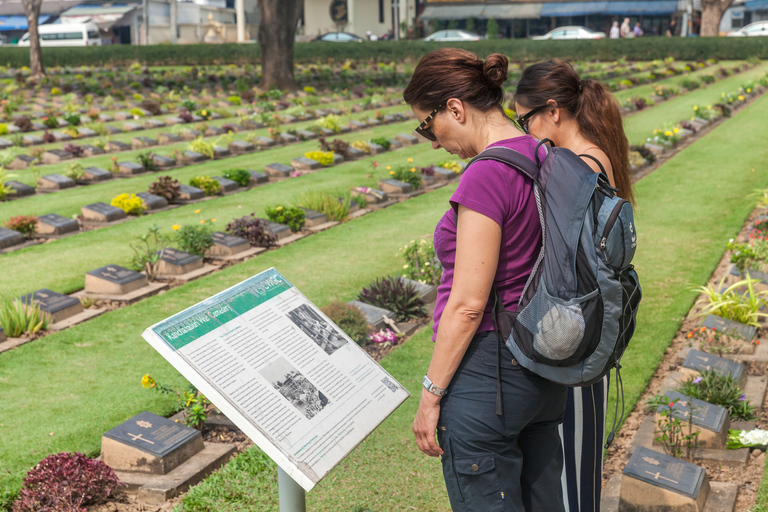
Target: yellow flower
{"points": [[668, 133], [410, 159], [695, 108], [413, 169], [749, 90], [279, 208], [202, 221], [677, 130], [709, 107], [213, 220], [147, 381], [741, 98], [392, 172], [176, 227], [204, 112], [197, 211], [388, 167], [723, 95]]}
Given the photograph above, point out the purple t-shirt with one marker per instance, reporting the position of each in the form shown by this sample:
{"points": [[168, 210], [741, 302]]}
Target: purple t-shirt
{"points": [[505, 196]]}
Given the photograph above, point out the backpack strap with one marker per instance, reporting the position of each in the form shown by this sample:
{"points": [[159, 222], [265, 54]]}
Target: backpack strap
{"points": [[602, 169], [512, 158]]}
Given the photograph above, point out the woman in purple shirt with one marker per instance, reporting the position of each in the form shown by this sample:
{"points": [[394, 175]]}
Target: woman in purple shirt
{"points": [[502, 456]]}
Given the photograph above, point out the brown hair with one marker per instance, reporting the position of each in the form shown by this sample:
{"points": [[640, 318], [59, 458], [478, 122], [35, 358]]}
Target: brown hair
{"points": [[595, 109], [455, 73]]}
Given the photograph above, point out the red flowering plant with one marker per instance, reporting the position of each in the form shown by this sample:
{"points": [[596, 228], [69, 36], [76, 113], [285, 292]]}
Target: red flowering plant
{"points": [[719, 341], [759, 230]]}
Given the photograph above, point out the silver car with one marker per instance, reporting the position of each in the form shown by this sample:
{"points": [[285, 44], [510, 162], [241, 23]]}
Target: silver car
{"points": [[758, 28], [570, 33], [453, 35]]}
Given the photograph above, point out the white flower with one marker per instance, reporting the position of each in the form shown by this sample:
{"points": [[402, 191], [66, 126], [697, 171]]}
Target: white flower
{"points": [[405, 266], [754, 437]]}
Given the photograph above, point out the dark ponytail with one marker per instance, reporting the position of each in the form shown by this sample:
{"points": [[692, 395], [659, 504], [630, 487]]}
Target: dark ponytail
{"points": [[596, 111]]}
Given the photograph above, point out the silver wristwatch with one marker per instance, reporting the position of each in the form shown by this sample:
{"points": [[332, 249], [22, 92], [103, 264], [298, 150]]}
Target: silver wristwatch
{"points": [[431, 387]]}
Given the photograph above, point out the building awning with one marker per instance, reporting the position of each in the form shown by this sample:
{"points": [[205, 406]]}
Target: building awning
{"points": [[19, 22], [572, 8], [512, 11], [452, 12], [756, 5], [648, 8]]}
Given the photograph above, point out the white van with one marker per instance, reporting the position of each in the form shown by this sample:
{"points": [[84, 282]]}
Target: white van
{"points": [[66, 34]]}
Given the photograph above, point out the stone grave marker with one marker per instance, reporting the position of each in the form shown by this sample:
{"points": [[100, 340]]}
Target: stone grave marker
{"points": [[354, 153], [288, 119], [150, 124], [353, 205], [225, 244], [96, 174], [337, 159], [321, 113], [443, 174], [171, 120], [163, 162], [306, 134], [407, 139], [152, 201], [391, 186], [122, 116], [190, 193], [113, 130], [241, 146], [89, 150], [427, 292], [225, 184], [257, 177], [213, 131], [114, 280], [303, 163], [148, 443], [327, 132], [5, 143], [142, 142], [313, 218], [106, 118], [655, 482], [193, 156], [55, 182], [357, 125], [116, 145], [746, 331], [697, 361], [655, 148], [287, 138], [375, 148], [130, 168], [19, 189], [54, 156], [174, 262], [102, 212], [130, 126], [279, 230], [371, 194], [9, 238], [278, 170], [335, 111], [373, 315], [61, 136], [54, 224], [754, 274], [220, 152], [86, 132], [21, 162], [31, 140], [58, 306], [264, 141], [168, 138], [711, 421]]}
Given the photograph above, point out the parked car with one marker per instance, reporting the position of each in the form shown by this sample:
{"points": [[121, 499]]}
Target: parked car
{"points": [[570, 33], [758, 28], [339, 37], [66, 34], [453, 35]]}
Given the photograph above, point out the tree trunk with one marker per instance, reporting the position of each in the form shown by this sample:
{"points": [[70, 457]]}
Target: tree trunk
{"points": [[711, 14], [32, 11], [277, 30]]}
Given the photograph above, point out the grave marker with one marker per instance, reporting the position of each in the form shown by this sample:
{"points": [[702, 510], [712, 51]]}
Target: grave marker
{"points": [[59, 307], [174, 262], [375, 316], [5, 143], [220, 152], [163, 162], [130, 126], [655, 482], [697, 361], [54, 156], [313, 218], [225, 244], [443, 174], [148, 443], [61, 136], [303, 163], [723, 324], [152, 201], [55, 182], [427, 292], [31, 140], [54, 224], [279, 230], [711, 421], [264, 141], [278, 170], [114, 280], [9, 238], [190, 193], [130, 168], [113, 130], [89, 150], [241, 146], [287, 138], [21, 162], [225, 184], [391, 186], [20, 189], [102, 212], [116, 145], [150, 124], [86, 132], [142, 142], [257, 177], [193, 156], [96, 174], [168, 138]]}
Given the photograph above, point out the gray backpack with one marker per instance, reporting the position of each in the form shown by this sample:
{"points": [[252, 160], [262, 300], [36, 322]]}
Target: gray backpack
{"points": [[577, 311]]}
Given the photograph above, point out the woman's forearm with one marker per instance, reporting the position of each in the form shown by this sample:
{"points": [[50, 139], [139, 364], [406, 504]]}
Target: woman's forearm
{"points": [[457, 327]]}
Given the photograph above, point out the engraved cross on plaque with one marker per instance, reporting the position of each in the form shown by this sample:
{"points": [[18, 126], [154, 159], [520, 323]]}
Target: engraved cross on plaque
{"points": [[138, 437], [657, 475]]}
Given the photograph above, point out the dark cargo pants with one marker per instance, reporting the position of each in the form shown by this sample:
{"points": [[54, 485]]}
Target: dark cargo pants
{"points": [[506, 463]]}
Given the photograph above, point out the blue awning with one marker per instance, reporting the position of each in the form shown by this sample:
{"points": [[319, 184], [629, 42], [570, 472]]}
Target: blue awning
{"points": [[648, 8], [19, 22], [756, 5], [572, 8]]}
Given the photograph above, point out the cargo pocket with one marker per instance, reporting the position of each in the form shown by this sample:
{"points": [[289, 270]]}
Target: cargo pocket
{"points": [[478, 482]]}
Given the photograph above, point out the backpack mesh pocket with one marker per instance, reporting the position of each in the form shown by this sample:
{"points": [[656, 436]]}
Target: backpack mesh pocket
{"points": [[557, 326]]}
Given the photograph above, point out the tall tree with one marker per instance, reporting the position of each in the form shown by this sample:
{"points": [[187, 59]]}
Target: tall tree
{"points": [[277, 30], [711, 14], [32, 12]]}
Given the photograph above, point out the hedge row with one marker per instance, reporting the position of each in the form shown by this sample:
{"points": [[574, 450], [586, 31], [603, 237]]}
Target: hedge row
{"points": [[644, 48]]}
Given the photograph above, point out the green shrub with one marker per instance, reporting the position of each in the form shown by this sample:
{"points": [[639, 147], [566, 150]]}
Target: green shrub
{"points": [[3, 129], [324, 157], [690, 83], [24, 224], [334, 208], [241, 176], [350, 319], [146, 160], [200, 145], [136, 112], [196, 238], [235, 100], [18, 318], [408, 175], [291, 216], [72, 118], [383, 142], [393, 294], [5, 189], [208, 185], [74, 171], [421, 263], [721, 390], [330, 122], [129, 203]]}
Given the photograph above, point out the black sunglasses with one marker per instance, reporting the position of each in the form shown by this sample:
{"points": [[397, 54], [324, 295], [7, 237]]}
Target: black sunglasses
{"points": [[427, 132], [523, 120]]}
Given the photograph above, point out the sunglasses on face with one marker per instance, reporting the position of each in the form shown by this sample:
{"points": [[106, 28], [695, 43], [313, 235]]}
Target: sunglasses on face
{"points": [[427, 132], [523, 120]]}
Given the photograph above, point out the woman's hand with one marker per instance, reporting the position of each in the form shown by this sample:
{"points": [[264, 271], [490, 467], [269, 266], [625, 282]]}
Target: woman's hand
{"points": [[425, 424]]}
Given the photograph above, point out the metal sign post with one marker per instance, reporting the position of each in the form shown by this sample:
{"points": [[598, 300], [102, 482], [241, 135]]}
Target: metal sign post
{"points": [[292, 496]]}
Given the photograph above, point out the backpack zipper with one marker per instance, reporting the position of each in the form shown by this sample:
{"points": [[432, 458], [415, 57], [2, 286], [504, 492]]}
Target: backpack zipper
{"points": [[611, 221]]}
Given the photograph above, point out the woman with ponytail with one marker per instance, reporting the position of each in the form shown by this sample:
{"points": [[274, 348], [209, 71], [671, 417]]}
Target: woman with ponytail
{"points": [[553, 103], [496, 422]]}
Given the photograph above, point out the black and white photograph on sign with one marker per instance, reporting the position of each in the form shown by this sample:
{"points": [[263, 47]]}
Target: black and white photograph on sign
{"points": [[318, 330], [290, 383]]}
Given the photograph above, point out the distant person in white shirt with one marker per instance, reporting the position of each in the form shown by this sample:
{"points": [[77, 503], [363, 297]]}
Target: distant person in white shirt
{"points": [[615, 32], [626, 30]]}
